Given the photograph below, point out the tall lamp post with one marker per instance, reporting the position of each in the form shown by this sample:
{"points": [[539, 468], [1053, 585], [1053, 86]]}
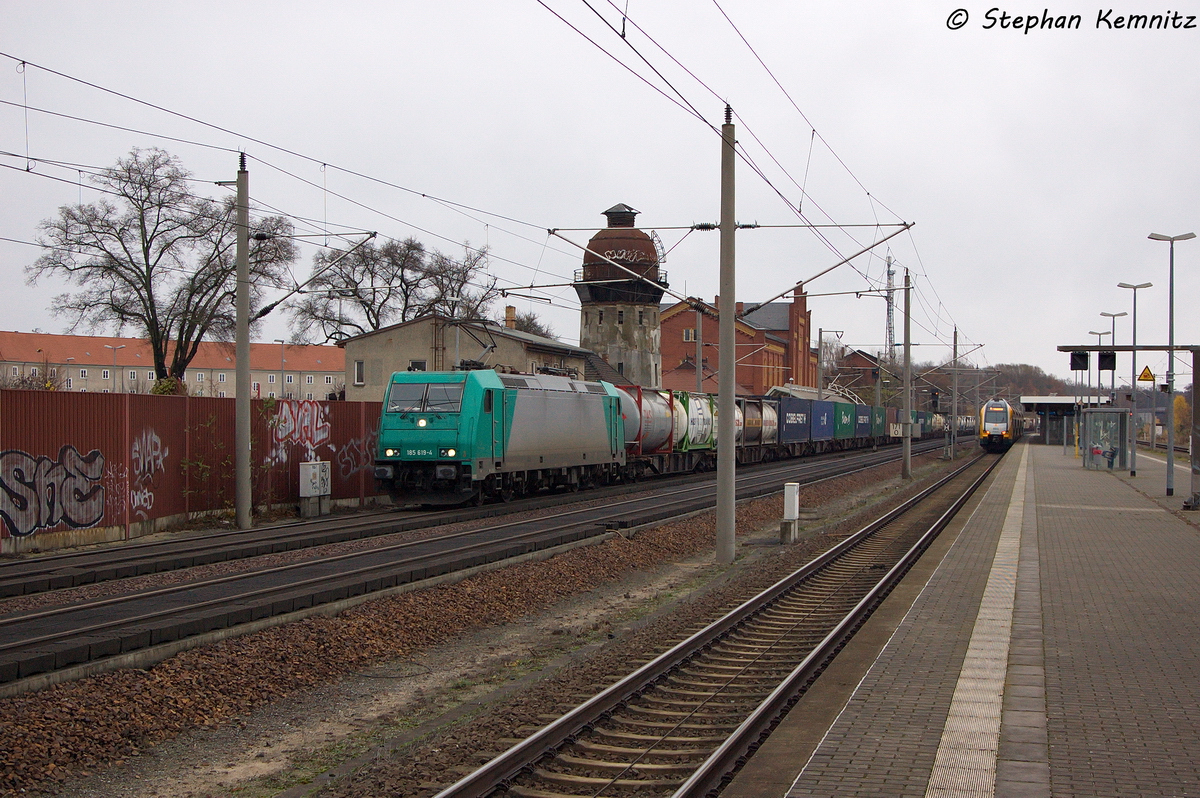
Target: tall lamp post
{"points": [[1171, 356], [114, 368], [281, 367], [1114, 316], [1133, 380]]}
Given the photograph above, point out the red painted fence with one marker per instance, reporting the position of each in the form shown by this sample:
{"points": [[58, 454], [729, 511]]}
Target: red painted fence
{"points": [[82, 467]]}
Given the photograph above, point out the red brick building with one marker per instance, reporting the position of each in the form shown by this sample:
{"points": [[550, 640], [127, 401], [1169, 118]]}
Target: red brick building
{"points": [[773, 345]]}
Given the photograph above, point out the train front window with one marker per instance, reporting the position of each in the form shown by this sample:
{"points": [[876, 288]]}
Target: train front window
{"points": [[443, 397], [409, 397], [406, 397], [995, 415]]}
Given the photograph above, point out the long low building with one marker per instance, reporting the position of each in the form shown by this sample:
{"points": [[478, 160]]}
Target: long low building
{"points": [[126, 365]]}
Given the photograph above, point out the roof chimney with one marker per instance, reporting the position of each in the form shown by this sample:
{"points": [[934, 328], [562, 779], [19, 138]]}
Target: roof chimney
{"points": [[510, 317], [741, 307]]}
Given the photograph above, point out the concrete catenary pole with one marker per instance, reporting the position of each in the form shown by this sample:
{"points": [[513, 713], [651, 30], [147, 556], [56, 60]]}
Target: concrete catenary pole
{"points": [[727, 363], [906, 427], [954, 401], [242, 350], [699, 349]]}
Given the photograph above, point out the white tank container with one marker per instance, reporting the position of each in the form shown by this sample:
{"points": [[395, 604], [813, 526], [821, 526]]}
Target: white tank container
{"points": [[770, 424]]}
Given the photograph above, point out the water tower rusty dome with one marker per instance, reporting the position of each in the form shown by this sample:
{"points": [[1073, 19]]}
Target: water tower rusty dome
{"points": [[628, 246]]}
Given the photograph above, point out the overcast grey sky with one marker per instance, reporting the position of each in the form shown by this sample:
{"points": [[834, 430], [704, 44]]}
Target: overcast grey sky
{"points": [[1034, 163]]}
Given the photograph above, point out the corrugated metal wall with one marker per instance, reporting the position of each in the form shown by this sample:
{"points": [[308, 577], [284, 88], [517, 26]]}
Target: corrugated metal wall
{"points": [[77, 461]]}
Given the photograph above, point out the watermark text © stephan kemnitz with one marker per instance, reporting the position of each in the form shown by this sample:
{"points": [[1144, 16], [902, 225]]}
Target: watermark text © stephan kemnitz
{"points": [[1106, 19]]}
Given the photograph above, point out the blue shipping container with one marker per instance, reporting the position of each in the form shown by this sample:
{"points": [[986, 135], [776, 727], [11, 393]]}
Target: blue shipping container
{"points": [[862, 421], [822, 420], [795, 419]]}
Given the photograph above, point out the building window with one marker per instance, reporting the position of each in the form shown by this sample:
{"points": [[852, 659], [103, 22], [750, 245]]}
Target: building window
{"points": [[221, 394], [150, 375], [68, 383], [642, 317], [288, 379], [199, 376], [14, 371], [308, 395], [104, 374], [308, 381], [132, 374], [53, 371], [271, 378], [620, 317], [104, 390], [82, 373], [416, 365], [221, 377], [329, 379], [33, 372], [689, 334], [271, 395], [359, 373], [600, 317], [257, 387]]}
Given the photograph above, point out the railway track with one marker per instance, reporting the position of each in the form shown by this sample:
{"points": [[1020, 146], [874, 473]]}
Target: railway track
{"points": [[144, 626], [30, 575], [680, 725]]}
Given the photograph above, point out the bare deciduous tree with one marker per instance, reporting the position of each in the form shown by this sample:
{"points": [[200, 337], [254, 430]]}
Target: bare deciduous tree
{"points": [[398, 281], [156, 258]]}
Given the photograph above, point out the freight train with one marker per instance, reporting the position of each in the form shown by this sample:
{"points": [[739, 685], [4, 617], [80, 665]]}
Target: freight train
{"points": [[455, 437], [1000, 425]]}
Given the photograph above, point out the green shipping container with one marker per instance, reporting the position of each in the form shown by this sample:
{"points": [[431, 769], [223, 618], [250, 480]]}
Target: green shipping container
{"points": [[843, 421], [878, 422]]}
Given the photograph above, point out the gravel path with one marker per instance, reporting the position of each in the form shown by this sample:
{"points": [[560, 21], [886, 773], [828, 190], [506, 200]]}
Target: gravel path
{"points": [[259, 713]]}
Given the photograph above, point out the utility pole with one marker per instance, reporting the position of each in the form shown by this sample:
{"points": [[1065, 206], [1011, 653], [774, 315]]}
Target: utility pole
{"points": [[820, 363], [906, 444], [242, 349], [954, 400], [890, 341], [700, 348], [727, 364]]}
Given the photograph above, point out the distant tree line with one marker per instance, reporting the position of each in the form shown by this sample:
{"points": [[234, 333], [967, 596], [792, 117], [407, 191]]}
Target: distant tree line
{"points": [[155, 259]]}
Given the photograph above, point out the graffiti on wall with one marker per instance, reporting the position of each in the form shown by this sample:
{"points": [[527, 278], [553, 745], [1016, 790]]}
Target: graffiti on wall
{"points": [[147, 458], [303, 423], [40, 493], [357, 454]]}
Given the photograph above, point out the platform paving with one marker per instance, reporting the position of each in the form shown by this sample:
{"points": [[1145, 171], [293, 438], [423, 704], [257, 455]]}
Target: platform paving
{"points": [[1048, 646]]}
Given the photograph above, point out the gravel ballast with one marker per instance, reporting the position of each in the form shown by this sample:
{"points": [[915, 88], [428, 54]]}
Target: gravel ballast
{"points": [[85, 737]]}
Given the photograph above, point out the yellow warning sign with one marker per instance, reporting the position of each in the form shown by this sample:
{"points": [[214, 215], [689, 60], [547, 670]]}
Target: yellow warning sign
{"points": [[1146, 375]]}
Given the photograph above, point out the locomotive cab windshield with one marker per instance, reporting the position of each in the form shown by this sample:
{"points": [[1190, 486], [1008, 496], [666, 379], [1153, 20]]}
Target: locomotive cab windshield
{"points": [[425, 397]]}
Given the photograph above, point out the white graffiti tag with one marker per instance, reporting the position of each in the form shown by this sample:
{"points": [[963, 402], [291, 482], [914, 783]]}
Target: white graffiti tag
{"points": [[40, 493], [147, 457], [298, 423]]}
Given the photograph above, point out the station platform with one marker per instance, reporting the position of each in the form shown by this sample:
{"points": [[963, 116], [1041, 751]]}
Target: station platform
{"points": [[1047, 645]]}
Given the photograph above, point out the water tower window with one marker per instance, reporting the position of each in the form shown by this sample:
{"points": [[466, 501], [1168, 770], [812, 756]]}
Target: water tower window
{"points": [[641, 317], [620, 317], [620, 368], [600, 317]]}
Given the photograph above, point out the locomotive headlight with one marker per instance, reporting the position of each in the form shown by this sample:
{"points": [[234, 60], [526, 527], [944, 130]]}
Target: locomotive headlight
{"points": [[447, 452], [390, 452], [421, 422]]}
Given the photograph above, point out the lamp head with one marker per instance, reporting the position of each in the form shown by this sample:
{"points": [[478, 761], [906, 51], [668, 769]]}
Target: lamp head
{"points": [[1181, 237], [1135, 287]]}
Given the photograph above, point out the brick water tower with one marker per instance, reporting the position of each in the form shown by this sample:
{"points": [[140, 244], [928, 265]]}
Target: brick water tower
{"points": [[619, 314]]}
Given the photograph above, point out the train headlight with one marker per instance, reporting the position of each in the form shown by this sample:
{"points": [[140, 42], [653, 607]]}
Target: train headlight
{"points": [[447, 452], [390, 452], [421, 422]]}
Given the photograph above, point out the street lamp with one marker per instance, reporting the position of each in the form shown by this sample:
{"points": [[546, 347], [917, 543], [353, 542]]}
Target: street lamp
{"points": [[114, 368], [1113, 341], [1171, 356], [281, 367], [1134, 381]]}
